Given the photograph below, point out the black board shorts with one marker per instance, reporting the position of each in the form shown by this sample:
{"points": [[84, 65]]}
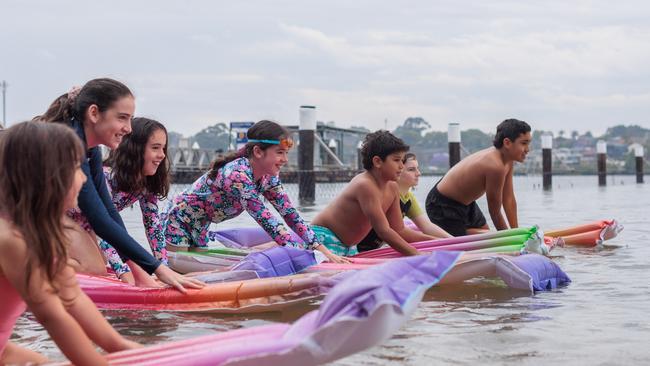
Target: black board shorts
{"points": [[451, 215]]}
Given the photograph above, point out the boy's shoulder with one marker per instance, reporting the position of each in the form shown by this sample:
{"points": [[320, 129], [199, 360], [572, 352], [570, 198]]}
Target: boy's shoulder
{"points": [[363, 181], [490, 161]]}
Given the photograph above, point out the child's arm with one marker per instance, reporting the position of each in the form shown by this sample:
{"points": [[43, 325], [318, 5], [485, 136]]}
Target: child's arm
{"points": [[46, 306], [153, 226], [368, 198], [509, 201], [421, 220], [494, 181], [84, 311], [278, 197], [429, 228]]}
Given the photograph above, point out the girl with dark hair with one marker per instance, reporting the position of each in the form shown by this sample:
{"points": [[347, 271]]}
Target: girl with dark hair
{"points": [[41, 178], [137, 171], [236, 183], [100, 112]]}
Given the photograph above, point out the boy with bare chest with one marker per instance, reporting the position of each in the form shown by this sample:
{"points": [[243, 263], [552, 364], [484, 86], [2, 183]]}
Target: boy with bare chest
{"points": [[451, 204], [370, 200]]}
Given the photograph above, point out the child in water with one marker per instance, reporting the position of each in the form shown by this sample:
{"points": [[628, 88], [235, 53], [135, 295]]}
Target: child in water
{"points": [[100, 113], [371, 201], [237, 183], [41, 178], [137, 171], [409, 206]]}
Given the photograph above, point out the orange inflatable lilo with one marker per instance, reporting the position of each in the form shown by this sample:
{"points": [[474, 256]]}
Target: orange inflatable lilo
{"points": [[590, 234]]}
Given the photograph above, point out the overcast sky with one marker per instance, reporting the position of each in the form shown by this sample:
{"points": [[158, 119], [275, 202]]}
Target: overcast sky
{"points": [[557, 64]]}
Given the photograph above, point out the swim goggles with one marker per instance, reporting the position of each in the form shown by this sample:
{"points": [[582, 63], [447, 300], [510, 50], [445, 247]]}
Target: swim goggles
{"points": [[285, 143]]}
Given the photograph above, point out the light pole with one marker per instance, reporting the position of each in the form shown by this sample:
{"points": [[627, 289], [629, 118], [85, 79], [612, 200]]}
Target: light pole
{"points": [[4, 103]]}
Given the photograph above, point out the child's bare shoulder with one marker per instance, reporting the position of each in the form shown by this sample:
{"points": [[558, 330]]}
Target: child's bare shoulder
{"points": [[12, 244], [362, 183]]}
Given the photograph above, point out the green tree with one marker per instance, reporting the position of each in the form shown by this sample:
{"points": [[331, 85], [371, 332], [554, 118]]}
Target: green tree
{"points": [[214, 137], [574, 135], [411, 131], [474, 140]]}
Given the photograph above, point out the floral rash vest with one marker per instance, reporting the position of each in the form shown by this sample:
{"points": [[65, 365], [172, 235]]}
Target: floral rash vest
{"points": [[225, 197], [150, 219]]}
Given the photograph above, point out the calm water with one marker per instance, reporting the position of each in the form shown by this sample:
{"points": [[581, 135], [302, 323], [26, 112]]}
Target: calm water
{"points": [[601, 318]]}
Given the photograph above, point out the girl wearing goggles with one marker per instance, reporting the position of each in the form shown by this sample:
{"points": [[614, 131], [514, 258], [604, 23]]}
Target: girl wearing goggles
{"points": [[236, 183]]}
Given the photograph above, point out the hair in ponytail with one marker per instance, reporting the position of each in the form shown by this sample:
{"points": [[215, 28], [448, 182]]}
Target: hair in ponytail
{"points": [[262, 130], [101, 92]]}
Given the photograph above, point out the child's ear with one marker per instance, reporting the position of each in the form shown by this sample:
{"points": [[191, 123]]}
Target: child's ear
{"points": [[376, 161], [92, 114], [507, 142], [257, 151]]}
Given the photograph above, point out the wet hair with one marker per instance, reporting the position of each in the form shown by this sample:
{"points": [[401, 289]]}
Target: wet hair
{"points": [[380, 143], [262, 130], [510, 129], [409, 156], [38, 163], [103, 93], [127, 160]]}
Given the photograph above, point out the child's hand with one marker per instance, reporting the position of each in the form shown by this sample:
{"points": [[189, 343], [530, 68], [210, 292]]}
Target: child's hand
{"points": [[331, 257], [166, 275], [127, 344]]}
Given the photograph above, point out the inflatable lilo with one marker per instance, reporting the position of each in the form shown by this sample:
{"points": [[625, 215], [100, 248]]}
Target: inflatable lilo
{"points": [[365, 309], [235, 291], [512, 240], [527, 272], [591, 234], [241, 239]]}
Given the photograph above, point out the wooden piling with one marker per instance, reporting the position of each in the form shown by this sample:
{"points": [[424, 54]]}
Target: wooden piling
{"points": [[306, 176], [601, 151], [453, 138], [547, 161], [638, 154]]}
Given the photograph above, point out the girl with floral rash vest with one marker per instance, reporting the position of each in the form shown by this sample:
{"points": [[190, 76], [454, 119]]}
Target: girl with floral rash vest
{"points": [[236, 183], [137, 171]]}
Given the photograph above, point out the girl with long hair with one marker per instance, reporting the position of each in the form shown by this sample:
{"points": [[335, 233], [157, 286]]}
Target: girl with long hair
{"points": [[41, 178], [137, 171], [237, 183], [100, 113]]}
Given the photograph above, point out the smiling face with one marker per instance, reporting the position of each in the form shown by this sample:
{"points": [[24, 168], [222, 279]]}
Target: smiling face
{"points": [[272, 159], [411, 174], [154, 152], [518, 149], [110, 126]]}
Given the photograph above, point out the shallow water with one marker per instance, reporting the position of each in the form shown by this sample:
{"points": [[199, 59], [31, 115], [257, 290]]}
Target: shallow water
{"points": [[600, 318]]}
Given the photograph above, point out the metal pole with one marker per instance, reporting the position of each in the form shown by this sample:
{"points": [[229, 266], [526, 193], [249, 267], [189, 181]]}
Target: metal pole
{"points": [[601, 150], [306, 175], [332, 145], [547, 161], [4, 103], [359, 157], [453, 138], [638, 153]]}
